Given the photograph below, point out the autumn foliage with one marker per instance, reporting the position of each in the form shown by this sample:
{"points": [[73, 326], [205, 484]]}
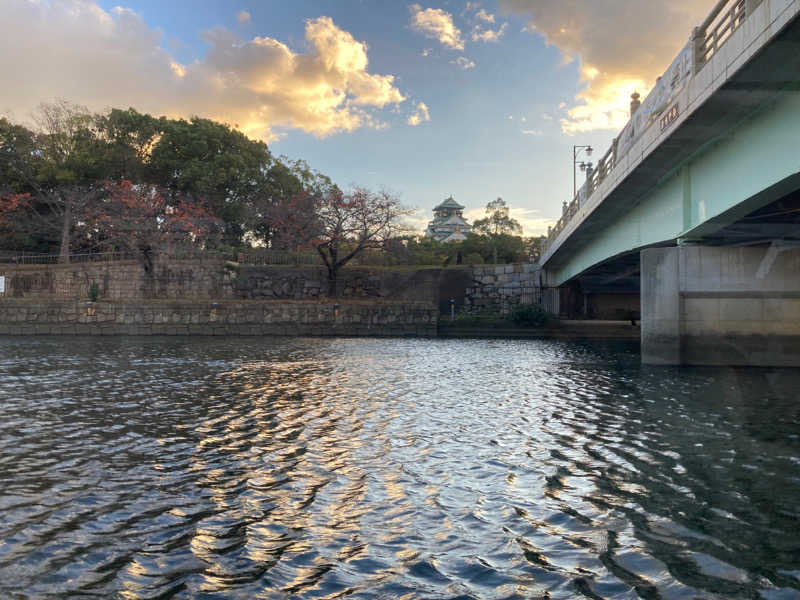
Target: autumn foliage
{"points": [[142, 219], [340, 225]]}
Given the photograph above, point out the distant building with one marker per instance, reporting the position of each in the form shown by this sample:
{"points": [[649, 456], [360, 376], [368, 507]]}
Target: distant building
{"points": [[448, 225]]}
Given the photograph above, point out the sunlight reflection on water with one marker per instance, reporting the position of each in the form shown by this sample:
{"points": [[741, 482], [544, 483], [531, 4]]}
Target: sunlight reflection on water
{"points": [[319, 468]]}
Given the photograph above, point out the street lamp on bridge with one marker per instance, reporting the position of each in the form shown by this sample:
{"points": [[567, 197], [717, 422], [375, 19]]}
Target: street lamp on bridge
{"points": [[576, 150]]}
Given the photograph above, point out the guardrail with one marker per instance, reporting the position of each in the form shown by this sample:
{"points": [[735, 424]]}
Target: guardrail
{"points": [[725, 18], [47, 259], [87, 257]]}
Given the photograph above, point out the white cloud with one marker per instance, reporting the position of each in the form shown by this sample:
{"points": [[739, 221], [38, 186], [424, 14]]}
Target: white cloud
{"points": [[489, 35], [243, 17], [619, 51], [547, 117], [420, 115], [463, 62], [484, 16], [524, 119], [73, 49], [437, 24], [531, 131]]}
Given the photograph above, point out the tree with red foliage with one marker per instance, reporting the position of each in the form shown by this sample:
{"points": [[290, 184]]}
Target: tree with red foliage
{"points": [[339, 226], [145, 221]]}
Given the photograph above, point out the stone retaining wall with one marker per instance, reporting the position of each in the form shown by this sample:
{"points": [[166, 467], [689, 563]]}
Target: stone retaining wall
{"points": [[119, 280], [480, 289], [54, 317], [499, 288], [215, 279]]}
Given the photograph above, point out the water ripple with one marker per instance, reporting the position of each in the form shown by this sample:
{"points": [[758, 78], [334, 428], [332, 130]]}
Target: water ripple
{"points": [[181, 468]]}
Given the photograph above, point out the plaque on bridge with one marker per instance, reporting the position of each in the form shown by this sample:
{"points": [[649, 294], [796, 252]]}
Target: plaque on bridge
{"points": [[669, 117]]}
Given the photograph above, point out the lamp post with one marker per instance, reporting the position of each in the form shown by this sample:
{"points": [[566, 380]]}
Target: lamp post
{"points": [[575, 151]]}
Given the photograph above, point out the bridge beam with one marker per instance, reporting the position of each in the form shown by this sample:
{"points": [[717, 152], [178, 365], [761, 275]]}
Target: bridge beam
{"points": [[721, 305]]}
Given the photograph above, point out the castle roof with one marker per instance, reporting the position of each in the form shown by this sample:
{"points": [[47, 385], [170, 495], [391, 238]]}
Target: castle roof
{"points": [[449, 203], [454, 220]]}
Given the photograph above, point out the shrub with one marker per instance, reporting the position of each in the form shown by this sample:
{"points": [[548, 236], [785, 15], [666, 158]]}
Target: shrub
{"points": [[473, 258], [529, 316]]}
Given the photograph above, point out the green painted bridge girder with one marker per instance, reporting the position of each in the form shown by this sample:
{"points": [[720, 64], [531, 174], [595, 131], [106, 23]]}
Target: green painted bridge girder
{"points": [[735, 174]]}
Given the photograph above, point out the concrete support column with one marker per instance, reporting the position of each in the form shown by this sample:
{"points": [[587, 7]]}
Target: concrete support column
{"points": [[704, 305], [661, 307]]}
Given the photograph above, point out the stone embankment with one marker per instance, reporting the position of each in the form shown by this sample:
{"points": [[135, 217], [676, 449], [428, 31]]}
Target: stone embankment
{"points": [[66, 317], [499, 288]]}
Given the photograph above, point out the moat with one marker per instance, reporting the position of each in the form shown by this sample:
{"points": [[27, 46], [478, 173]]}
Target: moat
{"points": [[391, 468]]}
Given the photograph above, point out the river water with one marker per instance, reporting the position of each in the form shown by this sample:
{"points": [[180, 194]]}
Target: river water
{"points": [[391, 468]]}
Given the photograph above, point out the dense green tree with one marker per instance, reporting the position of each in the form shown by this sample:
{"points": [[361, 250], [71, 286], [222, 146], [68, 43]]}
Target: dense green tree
{"points": [[497, 220], [129, 137], [203, 158], [496, 249], [63, 165], [59, 169]]}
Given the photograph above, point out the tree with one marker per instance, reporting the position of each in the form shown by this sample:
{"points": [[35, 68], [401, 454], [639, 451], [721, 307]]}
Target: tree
{"points": [[143, 220], [497, 223], [341, 225], [64, 163], [211, 160], [58, 165], [129, 138], [497, 220], [495, 249]]}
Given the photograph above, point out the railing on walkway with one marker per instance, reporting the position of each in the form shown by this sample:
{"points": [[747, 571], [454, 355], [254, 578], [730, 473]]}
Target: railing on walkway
{"points": [[93, 257], [277, 257], [49, 259], [726, 17]]}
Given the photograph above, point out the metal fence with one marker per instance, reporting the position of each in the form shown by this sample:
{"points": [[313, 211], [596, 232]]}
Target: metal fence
{"points": [[47, 259]]}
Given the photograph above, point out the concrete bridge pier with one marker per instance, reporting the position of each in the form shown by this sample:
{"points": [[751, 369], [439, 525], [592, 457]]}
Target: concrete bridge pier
{"points": [[721, 305]]}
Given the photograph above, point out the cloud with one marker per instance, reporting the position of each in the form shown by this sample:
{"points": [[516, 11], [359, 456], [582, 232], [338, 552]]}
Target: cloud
{"points": [[420, 115], [531, 131], [74, 49], [484, 16], [463, 62], [243, 17], [489, 35], [619, 51], [437, 24], [532, 223]]}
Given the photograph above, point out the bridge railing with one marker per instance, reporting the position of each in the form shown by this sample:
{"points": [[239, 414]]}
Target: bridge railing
{"points": [[707, 39], [726, 17]]}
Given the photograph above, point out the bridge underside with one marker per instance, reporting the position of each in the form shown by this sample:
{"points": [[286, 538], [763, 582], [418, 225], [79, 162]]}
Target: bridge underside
{"points": [[697, 230], [611, 289]]}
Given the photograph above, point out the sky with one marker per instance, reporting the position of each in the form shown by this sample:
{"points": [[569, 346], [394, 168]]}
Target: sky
{"points": [[474, 99]]}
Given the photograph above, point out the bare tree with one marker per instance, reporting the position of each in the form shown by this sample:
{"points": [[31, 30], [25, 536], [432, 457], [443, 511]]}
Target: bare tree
{"points": [[341, 225]]}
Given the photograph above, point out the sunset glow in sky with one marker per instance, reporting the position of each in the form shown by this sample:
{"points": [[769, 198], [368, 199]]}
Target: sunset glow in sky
{"points": [[471, 99]]}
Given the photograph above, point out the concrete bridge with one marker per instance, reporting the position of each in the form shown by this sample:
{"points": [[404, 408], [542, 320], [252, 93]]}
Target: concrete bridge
{"points": [[693, 215]]}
